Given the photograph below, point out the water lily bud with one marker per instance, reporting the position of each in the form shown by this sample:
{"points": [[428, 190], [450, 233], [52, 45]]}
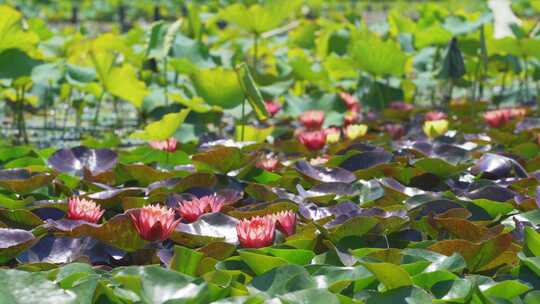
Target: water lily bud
{"points": [[168, 145]]}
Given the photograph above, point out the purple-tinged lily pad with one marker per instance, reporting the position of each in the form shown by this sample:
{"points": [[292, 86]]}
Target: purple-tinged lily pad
{"points": [[495, 166], [430, 205], [167, 183], [24, 181], [313, 212], [208, 228], [332, 188], [324, 174], [528, 123], [61, 250], [13, 242], [366, 160], [76, 160], [357, 146], [492, 192], [451, 153], [113, 197], [57, 250], [118, 232], [325, 192], [394, 184]]}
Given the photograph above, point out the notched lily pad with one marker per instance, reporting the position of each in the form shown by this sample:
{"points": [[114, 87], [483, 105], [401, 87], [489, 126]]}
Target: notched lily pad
{"points": [[324, 174], [145, 175], [222, 159], [210, 227], [479, 256], [76, 160], [113, 197], [366, 160], [495, 166], [13, 242], [23, 180], [118, 232], [263, 209]]}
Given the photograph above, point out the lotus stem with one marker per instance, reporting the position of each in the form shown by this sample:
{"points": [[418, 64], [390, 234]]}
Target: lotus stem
{"points": [[380, 93], [166, 89], [243, 119], [46, 108], [526, 81], [98, 106], [503, 85], [255, 50]]}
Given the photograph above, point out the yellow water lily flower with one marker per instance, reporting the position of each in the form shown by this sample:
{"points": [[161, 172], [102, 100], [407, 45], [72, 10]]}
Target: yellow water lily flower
{"points": [[355, 131], [434, 128]]}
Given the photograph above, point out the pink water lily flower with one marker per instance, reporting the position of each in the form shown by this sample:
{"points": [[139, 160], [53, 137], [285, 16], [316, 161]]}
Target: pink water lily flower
{"points": [[313, 140], [154, 222], [272, 107], [395, 130], [496, 118], [285, 222], [268, 163], [351, 117], [83, 209], [312, 119], [350, 102], [191, 210], [434, 115], [401, 106], [168, 145], [518, 112], [256, 232]]}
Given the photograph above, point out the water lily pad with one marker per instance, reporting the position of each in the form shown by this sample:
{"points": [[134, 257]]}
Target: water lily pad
{"points": [[497, 166], [23, 180], [208, 228], [13, 242], [215, 157], [366, 160], [78, 159], [118, 231], [324, 174], [477, 255]]}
